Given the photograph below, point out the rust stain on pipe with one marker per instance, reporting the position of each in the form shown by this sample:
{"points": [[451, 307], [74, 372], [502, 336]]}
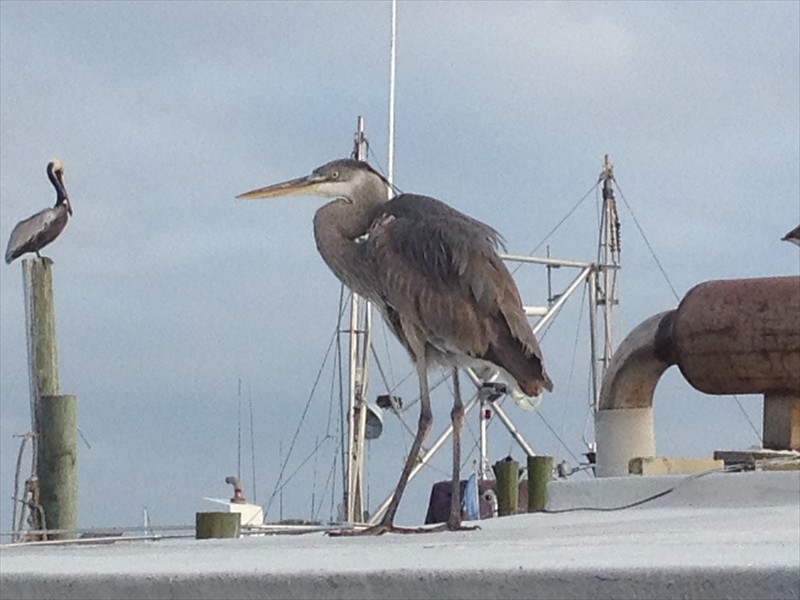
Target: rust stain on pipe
{"points": [[739, 336]]}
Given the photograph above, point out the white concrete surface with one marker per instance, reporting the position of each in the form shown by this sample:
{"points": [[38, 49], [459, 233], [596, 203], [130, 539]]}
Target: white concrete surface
{"points": [[722, 536]]}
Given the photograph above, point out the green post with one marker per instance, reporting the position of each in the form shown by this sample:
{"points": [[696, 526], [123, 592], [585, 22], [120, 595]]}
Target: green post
{"points": [[540, 472], [506, 474], [217, 525], [58, 464]]}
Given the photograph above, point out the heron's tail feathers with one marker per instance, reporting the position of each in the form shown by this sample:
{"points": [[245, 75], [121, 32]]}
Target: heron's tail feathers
{"points": [[523, 401]]}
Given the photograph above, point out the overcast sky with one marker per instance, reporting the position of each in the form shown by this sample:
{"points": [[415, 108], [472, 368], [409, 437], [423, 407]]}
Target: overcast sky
{"points": [[169, 290]]}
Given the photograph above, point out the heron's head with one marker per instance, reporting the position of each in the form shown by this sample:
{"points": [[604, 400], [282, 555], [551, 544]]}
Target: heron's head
{"points": [[55, 171], [346, 178]]}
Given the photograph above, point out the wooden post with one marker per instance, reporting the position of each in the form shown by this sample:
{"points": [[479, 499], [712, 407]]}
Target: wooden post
{"points": [[53, 417], [781, 424], [540, 472], [58, 463], [40, 316], [217, 525], [506, 473]]}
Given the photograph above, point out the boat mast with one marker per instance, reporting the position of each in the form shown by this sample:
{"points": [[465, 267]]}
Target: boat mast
{"points": [[359, 338], [606, 285]]}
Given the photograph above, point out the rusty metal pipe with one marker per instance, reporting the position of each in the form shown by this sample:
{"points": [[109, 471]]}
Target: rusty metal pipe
{"points": [[727, 337], [740, 336]]}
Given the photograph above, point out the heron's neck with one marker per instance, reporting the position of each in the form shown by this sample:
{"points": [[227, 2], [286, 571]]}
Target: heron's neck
{"points": [[336, 229]]}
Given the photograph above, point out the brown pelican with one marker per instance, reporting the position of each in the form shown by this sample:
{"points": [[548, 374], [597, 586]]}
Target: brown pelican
{"points": [[793, 236], [435, 275], [34, 233]]}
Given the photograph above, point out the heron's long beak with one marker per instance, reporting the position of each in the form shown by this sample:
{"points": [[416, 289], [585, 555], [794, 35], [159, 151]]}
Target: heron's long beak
{"points": [[302, 186]]}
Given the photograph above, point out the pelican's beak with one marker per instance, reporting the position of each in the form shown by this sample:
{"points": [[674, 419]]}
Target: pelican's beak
{"points": [[302, 186]]}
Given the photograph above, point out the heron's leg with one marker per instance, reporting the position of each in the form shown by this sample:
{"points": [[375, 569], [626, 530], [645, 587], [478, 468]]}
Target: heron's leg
{"points": [[457, 417], [425, 419]]}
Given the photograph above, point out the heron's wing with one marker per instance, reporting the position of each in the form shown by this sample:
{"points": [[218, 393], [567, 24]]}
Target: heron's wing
{"points": [[439, 242], [424, 208], [445, 283]]}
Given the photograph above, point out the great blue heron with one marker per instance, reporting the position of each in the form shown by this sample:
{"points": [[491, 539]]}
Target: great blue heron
{"points": [[435, 275], [793, 236], [35, 232]]}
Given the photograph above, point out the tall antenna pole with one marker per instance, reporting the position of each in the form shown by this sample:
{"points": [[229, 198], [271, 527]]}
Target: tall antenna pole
{"points": [[392, 64]]}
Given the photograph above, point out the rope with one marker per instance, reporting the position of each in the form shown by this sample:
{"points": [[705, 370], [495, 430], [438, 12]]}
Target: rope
{"points": [[30, 497], [17, 527]]}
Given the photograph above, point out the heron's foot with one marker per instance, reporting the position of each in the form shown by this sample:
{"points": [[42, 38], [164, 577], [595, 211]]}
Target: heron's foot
{"points": [[462, 527], [455, 526], [379, 529], [382, 528]]}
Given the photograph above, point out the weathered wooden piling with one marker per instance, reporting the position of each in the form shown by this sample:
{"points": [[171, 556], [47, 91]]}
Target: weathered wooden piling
{"points": [[53, 417], [40, 317], [58, 463], [217, 525], [506, 474], [540, 471]]}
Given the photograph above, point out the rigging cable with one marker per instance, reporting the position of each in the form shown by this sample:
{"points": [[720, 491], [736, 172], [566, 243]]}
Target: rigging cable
{"points": [[574, 356], [559, 224], [647, 243], [338, 369], [301, 421], [558, 437], [252, 443], [674, 293], [311, 454]]}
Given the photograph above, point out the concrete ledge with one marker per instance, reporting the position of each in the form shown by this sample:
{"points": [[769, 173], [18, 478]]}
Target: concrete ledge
{"points": [[466, 585]]}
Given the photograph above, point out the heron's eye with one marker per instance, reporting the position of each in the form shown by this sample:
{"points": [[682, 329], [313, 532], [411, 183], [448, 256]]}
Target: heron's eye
{"points": [[335, 175]]}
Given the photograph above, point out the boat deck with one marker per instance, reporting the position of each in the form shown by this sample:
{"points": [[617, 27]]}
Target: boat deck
{"points": [[733, 535]]}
